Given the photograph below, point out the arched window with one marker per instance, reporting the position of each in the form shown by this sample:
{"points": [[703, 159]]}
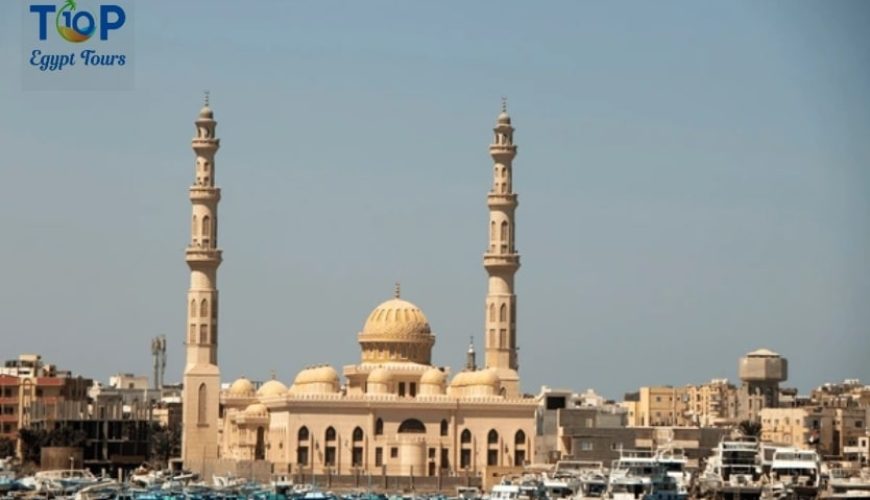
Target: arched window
{"points": [[444, 427], [412, 425], [379, 427], [520, 438], [192, 308], [492, 230], [357, 434], [202, 406], [206, 226], [302, 435], [465, 438], [504, 231], [502, 313], [203, 334], [203, 309], [330, 434], [492, 437], [260, 446], [492, 312]]}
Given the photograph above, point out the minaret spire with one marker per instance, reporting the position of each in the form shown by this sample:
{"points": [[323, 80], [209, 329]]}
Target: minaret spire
{"points": [[201, 373], [501, 259], [470, 356]]}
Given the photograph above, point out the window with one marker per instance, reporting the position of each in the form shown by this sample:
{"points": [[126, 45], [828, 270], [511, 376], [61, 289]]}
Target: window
{"points": [[203, 334], [401, 389], [859, 424], [356, 457], [329, 456], [502, 313], [379, 427], [432, 453], [492, 309], [330, 434], [585, 445], [465, 458], [302, 435], [444, 427], [492, 437], [492, 457], [520, 438], [412, 425], [192, 308], [203, 309], [394, 452], [413, 389], [202, 407], [357, 434], [206, 226], [379, 456], [465, 438]]}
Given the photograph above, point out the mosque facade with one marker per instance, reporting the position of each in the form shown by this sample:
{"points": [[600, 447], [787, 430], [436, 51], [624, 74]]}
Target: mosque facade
{"points": [[394, 412]]}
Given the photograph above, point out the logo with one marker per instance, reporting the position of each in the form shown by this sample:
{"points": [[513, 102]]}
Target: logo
{"points": [[90, 44], [77, 26]]}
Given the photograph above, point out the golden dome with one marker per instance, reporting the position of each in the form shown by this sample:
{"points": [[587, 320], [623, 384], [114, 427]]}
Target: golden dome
{"points": [[317, 375], [272, 388], [396, 318], [433, 376], [256, 410], [241, 388], [380, 376]]}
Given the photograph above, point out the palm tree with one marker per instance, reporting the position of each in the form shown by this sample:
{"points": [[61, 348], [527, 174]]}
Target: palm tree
{"points": [[749, 428]]}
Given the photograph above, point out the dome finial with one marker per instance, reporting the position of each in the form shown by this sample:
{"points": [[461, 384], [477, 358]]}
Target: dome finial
{"points": [[205, 92], [274, 377], [504, 104], [397, 293]]}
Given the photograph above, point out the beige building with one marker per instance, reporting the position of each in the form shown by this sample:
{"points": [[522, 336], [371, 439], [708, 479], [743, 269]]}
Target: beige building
{"points": [[394, 412], [829, 430]]}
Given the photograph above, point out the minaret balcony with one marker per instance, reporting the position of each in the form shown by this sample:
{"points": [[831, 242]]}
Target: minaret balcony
{"points": [[205, 143], [502, 151], [501, 260], [501, 200], [205, 193], [198, 254]]}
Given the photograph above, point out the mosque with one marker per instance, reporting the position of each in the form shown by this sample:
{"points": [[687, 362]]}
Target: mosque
{"points": [[394, 412]]}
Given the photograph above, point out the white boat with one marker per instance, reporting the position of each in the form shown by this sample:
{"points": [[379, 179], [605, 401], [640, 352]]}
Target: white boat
{"points": [[849, 484], [734, 470], [588, 479], [795, 473], [674, 461], [468, 493], [505, 492], [631, 475]]}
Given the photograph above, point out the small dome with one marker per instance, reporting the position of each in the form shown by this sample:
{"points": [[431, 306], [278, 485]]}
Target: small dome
{"points": [[396, 318], [257, 410], [461, 379], [475, 378], [433, 376], [272, 388], [763, 353], [504, 118], [380, 376], [206, 112], [241, 388], [317, 375]]}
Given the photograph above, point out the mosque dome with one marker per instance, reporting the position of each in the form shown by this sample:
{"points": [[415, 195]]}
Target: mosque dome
{"points": [[380, 376], [396, 331], [504, 118], [433, 376], [256, 410], [206, 112], [241, 388], [396, 318], [475, 383], [461, 379], [272, 388]]}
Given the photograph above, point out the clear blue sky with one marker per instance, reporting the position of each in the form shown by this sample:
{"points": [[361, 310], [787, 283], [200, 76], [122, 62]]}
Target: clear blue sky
{"points": [[694, 183]]}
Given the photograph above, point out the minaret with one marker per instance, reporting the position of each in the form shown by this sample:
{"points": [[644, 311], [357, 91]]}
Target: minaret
{"points": [[201, 374], [501, 260], [470, 357]]}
